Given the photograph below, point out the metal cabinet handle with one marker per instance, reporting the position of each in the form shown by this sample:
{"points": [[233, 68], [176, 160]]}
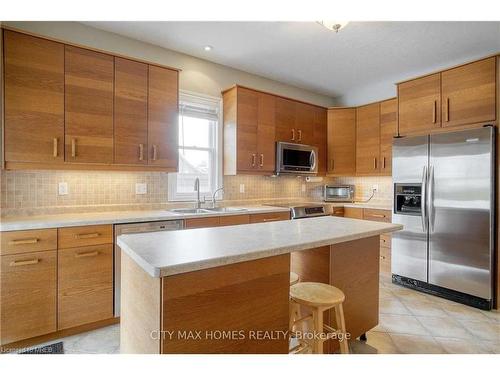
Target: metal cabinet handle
{"points": [[87, 254], [73, 147], [141, 152], [434, 112], [383, 162], [24, 241], [447, 110], [374, 163], [254, 156], [332, 164], [261, 160], [18, 263], [377, 215], [293, 134], [82, 236], [272, 219], [154, 152], [300, 135], [55, 144]]}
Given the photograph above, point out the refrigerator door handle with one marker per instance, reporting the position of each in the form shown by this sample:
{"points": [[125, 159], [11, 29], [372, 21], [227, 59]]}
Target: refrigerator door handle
{"points": [[430, 198], [423, 202]]}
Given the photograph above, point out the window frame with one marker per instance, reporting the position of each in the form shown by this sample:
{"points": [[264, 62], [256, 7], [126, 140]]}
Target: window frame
{"points": [[215, 151]]}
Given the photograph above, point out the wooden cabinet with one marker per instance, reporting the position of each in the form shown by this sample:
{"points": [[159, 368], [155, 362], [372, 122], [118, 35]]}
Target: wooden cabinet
{"points": [[269, 216], [27, 241], [201, 222], [85, 285], [320, 138], [88, 106], [131, 112], [341, 136], [249, 130], [163, 117], [285, 120], [353, 212], [34, 99], [419, 104], [28, 298], [388, 130], [234, 220], [468, 93], [377, 215], [85, 236], [368, 139], [304, 123], [338, 211]]}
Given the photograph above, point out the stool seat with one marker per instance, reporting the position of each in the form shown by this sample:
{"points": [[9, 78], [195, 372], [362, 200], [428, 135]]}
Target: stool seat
{"points": [[316, 294], [294, 278]]}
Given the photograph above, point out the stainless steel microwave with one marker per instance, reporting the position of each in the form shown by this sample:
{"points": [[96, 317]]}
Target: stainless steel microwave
{"points": [[339, 193], [296, 158]]}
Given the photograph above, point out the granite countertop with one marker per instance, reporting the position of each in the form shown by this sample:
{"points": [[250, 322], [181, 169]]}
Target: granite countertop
{"points": [[168, 253], [116, 217]]}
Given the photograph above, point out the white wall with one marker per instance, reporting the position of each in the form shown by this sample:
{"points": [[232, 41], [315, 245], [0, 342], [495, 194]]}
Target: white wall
{"points": [[197, 75]]}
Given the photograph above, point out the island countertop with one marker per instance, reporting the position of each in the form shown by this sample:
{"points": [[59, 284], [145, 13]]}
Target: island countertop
{"points": [[163, 254]]}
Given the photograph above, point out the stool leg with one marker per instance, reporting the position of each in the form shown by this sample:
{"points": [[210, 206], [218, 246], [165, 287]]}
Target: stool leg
{"points": [[294, 313], [317, 329], [339, 317]]}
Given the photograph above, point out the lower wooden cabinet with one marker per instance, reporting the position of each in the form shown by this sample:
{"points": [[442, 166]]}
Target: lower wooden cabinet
{"points": [[28, 295], [85, 285], [269, 216], [201, 222], [234, 220]]}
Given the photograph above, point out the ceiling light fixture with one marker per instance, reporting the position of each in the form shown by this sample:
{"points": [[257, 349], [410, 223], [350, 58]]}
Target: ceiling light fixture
{"points": [[207, 48], [333, 25]]}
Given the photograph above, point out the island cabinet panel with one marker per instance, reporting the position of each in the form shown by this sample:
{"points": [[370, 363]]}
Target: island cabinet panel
{"points": [[368, 139], [85, 285], [34, 99], [341, 135], [468, 93], [419, 104], [163, 117], [131, 112], [246, 298], [269, 216], [88, 106], [388, 130], [28, 295]]}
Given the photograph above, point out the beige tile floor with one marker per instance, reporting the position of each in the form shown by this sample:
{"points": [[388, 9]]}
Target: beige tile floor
{"points": [[410, 323]]}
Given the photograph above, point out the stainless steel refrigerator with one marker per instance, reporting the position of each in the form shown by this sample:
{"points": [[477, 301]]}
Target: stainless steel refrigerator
{"points": [[444, 192]]}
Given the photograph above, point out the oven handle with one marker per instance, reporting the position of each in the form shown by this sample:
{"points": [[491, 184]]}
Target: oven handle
{"points": [[312, 159], [423, 200]]}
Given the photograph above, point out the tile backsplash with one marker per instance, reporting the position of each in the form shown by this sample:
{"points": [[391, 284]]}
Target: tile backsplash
{"points": [[36, 192]]}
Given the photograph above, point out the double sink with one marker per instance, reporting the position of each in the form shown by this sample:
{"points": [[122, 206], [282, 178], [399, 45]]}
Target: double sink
{"points": [[206, 210]]}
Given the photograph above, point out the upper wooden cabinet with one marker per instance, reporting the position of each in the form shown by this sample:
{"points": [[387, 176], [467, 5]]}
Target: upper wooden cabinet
{"points": [[304, 123], [34, 99], [249, 131], [419, 104], [285, 120], [320, 138], [468, 93], [131, 112], [341, 141], [163, 117], [88, 106], [388, 130], [368, 139]]}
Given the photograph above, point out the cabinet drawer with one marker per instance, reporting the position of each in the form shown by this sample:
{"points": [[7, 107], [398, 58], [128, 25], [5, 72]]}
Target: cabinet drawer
{"points": [[27, 241], [28, 298], [202, 222], [353, 213], [85, 285], [377, 215], [269, 216], [338, 211], [234, 220], [385, 240], [85, 236]]}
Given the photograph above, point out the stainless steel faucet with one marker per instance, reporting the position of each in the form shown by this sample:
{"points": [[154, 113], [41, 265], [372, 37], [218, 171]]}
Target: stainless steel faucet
{"points": [[214, 194], [197, 189]]}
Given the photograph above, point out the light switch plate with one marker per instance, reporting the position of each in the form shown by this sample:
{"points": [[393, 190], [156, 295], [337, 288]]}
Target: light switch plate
{"points": [[242, 188], [375, 187], [141, 188], [62, 188]]}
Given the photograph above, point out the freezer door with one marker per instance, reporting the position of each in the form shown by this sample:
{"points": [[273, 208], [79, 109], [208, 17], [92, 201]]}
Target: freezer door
{"points": [[409, 246], [461, 188]]}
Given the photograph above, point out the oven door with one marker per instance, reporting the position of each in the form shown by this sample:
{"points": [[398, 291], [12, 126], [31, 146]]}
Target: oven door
{"points": [[296, 158]]}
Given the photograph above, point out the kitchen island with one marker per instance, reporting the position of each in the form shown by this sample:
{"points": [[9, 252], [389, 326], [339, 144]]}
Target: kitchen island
{"points": [[225, 289]]}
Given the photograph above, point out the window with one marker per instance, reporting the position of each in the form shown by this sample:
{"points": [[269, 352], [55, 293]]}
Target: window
{"points": [[199, 140]]}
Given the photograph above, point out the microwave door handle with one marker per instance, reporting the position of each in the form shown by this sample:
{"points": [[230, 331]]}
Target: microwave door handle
{"points": [[313, 160], [423, 200]]}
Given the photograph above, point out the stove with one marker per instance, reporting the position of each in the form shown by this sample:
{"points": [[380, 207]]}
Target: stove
{"points": [[303, 211]]}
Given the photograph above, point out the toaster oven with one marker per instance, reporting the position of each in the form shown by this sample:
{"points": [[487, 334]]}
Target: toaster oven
{"points": [[339, 193]]}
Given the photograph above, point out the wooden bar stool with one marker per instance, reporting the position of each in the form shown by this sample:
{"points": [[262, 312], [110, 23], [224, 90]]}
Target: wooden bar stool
{"points": [[294, 307], [320, 298]]}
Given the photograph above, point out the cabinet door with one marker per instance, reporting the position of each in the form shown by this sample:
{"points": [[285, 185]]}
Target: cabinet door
{"points": [[353, 213], [202, 222], [341, 136], [234, 220], [468, 93], [85, 280], [320, 138], [265, 133], [34, 99], [285, 120], [88, 106], [304, 123], [269, 216], [368, 139], [247, 120], [388, 129], [163, 117], [28, 298], [131, 112], [419, 103]]}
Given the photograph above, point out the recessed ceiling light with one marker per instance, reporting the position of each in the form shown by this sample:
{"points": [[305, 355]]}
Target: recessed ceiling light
{"points": [[333, 25], [207, 48]]}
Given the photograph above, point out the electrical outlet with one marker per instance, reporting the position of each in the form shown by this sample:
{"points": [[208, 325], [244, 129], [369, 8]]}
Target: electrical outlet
{"points": [[303, 188], [62, 188], [375, 187], [242, 188], [141, 188]]}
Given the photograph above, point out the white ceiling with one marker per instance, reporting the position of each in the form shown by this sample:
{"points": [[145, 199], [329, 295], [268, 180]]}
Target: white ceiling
{"points": [[360, 62]]}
